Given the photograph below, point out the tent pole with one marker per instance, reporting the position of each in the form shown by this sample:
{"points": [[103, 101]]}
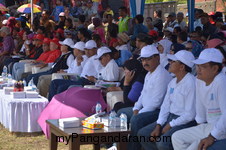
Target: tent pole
{"points": [[191, 11], [32, 14]]}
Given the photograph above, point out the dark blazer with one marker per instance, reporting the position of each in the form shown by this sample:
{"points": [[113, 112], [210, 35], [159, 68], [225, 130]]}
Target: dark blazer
{"points": [[60, 63]]}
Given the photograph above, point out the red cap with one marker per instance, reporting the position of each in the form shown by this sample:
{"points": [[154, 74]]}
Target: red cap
{"points": [[39, 37], [46, 41], [59, 30], [211, 13], [56, 41], [153, 33]]}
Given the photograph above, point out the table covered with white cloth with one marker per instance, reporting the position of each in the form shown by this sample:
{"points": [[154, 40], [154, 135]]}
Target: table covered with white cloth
{"points": [[21, 115]]}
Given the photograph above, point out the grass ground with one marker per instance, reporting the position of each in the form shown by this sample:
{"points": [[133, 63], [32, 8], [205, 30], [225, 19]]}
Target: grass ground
{"points": [[9, 141]]}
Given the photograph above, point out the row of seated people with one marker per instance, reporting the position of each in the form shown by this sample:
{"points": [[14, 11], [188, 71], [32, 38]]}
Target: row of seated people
{"points": [[178, 108], [188, 110]]}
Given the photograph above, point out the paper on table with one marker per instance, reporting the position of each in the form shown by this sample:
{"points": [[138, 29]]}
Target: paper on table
{"points": [[104, 84]]}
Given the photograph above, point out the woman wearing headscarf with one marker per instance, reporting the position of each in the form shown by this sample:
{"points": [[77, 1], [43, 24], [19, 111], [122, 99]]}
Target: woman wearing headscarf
{"points": [[132, 83], [164, 49]]}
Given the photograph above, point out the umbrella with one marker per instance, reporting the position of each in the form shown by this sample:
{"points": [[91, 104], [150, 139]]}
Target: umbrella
{"points": [[3, 8], [26, 8], [74, 102]]}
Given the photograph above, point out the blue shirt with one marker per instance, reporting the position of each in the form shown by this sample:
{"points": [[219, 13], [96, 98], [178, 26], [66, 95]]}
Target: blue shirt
{"points": [[139, 28], [124, 55]]}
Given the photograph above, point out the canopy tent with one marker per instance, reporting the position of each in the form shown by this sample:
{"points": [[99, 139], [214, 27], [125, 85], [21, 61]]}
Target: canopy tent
{"points": [[137, 7]]}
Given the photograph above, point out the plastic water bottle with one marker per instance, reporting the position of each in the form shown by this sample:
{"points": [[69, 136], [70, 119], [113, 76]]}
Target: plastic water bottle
{"points": [[112, 119], [25, 83], [10, 80], [98, 108], [32, 85], [123, 121], [4, 73], [100, 77]]}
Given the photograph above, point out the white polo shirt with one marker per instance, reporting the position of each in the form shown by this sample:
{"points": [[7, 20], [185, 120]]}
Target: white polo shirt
{"points": [[92, 67], [154, 90], [224, 70], [211, 105], [74, 68], [179, 100], [110, 72]]}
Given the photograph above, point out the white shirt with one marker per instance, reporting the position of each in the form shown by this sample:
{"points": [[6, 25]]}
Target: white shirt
{"points": [[74, 68], [198, 23], [179, 100], [211, 104], [122, 47], [110, 72], [92, 67], [224, 70], [182, 25], [163, 60], [154, 90], [70, 59]]}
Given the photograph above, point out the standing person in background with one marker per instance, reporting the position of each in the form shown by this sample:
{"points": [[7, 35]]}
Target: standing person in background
{"points": [[124, 20], [157, 22]]}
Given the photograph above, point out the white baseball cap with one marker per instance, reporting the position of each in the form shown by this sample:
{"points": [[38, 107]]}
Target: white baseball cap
{"points": [[67, 41], [90, 44], [148, 51], [183, 56], [79, 45], [209, 55], [101, 51]]}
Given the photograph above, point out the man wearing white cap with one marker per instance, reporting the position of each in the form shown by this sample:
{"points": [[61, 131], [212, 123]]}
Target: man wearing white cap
{"points": [[110, 70], [90, 68], [178, 108], [210, 106], [80, 59], [152, 95]]}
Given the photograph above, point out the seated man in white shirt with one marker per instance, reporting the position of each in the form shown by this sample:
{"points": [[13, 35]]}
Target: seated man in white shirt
{"points": [[110, 70], [178, 108], [90, 68], [77, 65], [210, 106], [146, 109]]}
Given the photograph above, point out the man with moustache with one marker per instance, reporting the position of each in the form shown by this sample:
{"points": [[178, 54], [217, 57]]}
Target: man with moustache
{"points": [[210, 133], [146, 109]]}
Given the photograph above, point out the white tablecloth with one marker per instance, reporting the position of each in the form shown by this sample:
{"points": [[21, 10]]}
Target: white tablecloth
{"points": [[21, 115]]}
